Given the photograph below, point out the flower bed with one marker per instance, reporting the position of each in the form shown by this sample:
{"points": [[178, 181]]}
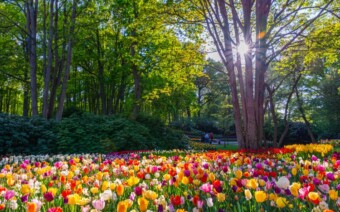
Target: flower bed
{"points": [[266, 180]]}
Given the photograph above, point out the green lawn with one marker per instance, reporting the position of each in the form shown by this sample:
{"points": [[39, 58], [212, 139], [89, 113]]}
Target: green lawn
{"points": [[226, 147]]}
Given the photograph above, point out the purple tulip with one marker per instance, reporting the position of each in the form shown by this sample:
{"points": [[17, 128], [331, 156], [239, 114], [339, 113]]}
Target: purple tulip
{"points": [[330, 176], [316, 181], [24, 198], [138, 190], [48, 196], [160, 208]]}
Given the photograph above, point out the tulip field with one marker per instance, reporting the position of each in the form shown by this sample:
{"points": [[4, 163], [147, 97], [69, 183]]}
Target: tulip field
{"points": [[293, 178]]}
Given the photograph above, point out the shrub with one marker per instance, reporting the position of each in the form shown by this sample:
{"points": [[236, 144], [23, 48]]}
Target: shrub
{"points": [[22, 135], [90, 133], [85, 133], [165, 137]]}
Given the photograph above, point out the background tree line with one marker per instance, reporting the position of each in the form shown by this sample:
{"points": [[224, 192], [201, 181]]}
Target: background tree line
{"points": [[104, 57]]}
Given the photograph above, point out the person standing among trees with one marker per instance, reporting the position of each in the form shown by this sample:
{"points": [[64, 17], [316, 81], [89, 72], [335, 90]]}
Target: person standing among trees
{"points": [[206, 137], [211, 136]]}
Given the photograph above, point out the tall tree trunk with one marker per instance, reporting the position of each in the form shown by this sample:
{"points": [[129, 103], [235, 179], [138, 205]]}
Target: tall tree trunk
{"points": [[262, 12], [136, 79], [26, 94], [47, 70], [286, 116], [274, 116], [31, 13], [102, 93], [302, 111], [68, 63], [56, 72]]}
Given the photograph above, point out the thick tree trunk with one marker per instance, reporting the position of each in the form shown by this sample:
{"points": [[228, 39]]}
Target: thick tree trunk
{"points": [[262, 9], [302, 111], [68, 64]]}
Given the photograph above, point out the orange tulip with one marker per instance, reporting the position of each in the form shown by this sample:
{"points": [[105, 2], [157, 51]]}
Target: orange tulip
{"points": [[31, 207], [120, 190]]}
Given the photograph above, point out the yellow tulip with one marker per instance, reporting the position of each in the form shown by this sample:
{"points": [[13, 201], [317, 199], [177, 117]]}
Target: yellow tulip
{"points": [[294, 189], [94, 190], [53, 191], [260, 196], [132, 181], [294, 171], [10, 181], [238, 174], [143, 204], [73, 199], [43, 188], [313, 196], [252, 183], [221, 197], [281, 202], [151, 195], [105, 185], [333, 194], [272, 196], [185, 180], [248, 194], [167, 177], [25, 189], [211, 177]]}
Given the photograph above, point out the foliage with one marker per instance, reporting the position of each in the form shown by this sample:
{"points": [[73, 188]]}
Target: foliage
{"points": [[22, 135], [85, 133], [297, 132], [165, 137], [201, 146], [206, 125]]}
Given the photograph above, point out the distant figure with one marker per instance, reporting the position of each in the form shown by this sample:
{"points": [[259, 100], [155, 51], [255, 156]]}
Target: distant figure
{"points": [[211, 136], [206, 137]]}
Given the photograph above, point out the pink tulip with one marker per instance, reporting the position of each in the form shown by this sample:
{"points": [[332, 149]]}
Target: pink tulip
{"points": [[9, 194], [206, 187], [98, 204]]}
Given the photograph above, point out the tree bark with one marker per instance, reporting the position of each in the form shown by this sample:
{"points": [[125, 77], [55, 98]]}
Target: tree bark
{"points": [[274, 116], [31, 19], [47, 71], [262, 11], [302, 111], [68, 63], [102, 92], [283, 135]]}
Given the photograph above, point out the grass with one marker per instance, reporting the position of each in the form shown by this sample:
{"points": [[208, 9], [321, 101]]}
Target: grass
{"points": [[226, 147]]}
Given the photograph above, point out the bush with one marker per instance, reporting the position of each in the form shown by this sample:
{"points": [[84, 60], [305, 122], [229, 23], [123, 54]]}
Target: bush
{"points": [[90, 133], [297, 132], [206, 125], [165, 137], [22, 135], [85, 133], [183, 124]]}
